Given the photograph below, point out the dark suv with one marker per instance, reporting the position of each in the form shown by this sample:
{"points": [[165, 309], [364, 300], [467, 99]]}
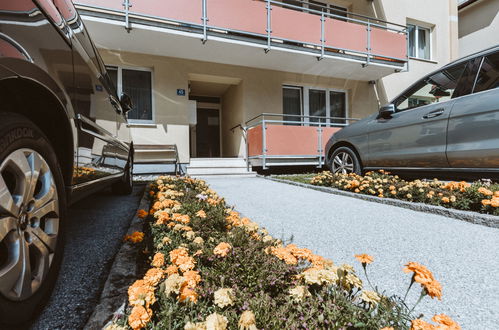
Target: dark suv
{"points": [[63, 134], [446, 123]]}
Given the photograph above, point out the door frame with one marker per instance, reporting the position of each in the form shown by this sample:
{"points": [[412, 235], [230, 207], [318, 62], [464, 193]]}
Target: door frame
{"points": [[213, 106]]}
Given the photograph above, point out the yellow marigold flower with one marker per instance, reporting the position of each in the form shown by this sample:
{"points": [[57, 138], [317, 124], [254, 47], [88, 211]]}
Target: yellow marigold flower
{"points": [[198, 253], [216, 322], [298, 293], [364, 258], [201, 214], [198, 240], [142, 213], [139, 317], [446, 321], [408, 196], [267, 238], [158, 260], [153, 276], [190, 235], [222, 249], [195, 326], [135, 237], [419, 324], [370, 297], [172, 284], [452, 199], [247, 321], [224, 297], [485, 191]]}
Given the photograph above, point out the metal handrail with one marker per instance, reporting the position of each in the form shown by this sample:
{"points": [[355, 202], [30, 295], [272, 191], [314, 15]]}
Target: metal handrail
{"points": [[267, 114], [205, 26]]}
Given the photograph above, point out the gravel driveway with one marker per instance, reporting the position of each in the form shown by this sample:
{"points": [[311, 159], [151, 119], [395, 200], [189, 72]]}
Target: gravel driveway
{"points": [[464, 257], [94, 233]]}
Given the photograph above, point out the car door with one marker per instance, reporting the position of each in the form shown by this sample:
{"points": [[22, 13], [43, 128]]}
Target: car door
{"points": [[96, 109], [473, 133], [415, 135]]}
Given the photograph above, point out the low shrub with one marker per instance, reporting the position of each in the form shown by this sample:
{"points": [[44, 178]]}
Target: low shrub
{"points": [[480, 196], [213, 269]]}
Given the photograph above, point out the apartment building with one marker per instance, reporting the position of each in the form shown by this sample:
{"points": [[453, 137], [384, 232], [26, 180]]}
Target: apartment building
{"points": [[478, 25], [289, 72]]}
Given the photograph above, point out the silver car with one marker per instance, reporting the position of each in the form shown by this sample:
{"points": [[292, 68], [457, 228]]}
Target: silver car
{"points": [[446, 122]]}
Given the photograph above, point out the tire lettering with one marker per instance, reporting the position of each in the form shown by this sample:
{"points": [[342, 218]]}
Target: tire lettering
{"points": [[15, 134]]}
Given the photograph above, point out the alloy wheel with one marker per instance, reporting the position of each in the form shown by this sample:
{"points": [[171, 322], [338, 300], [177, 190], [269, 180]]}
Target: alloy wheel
{"points": [[343, 163], [29, 223]]}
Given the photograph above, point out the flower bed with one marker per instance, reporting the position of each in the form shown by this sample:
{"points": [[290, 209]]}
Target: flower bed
{"points": [[212, 269], [478, 196]]}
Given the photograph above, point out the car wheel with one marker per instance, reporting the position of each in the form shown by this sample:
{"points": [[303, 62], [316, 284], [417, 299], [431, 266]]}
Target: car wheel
{"points": [[125, 185], [344, 160], [32, 211]]}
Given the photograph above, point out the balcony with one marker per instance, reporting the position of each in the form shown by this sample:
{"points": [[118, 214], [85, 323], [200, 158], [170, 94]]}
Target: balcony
{"points": [[289, 140], [264, 34]]}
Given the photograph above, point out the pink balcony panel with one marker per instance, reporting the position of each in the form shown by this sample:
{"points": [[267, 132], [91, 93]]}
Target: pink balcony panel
{"points": [[241, 15], [345, 35], [291, 140], [255, 141], [295, 25], [189, 11], [327, 132], [388, 43], [108, 4]]}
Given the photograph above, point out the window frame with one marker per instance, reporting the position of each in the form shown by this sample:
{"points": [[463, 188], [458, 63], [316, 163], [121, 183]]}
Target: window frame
{"points": [[299, 121], [429, 33], [477, 73], [119, 90], [306, 107]]}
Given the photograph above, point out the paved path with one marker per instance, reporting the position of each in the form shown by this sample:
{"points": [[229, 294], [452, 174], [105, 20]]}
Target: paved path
{"points": [[94, 233], [464, 257]]}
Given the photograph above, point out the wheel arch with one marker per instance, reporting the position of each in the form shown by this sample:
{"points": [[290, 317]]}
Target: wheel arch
{"points": [[39, 104]]}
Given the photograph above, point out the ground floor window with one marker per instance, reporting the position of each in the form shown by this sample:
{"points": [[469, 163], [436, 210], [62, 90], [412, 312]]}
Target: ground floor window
{"points": [[138, 84], [328, 104]]}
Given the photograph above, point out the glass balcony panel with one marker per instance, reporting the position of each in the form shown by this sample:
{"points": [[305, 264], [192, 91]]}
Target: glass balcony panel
{"points": [[188, 11], [240, 15]]}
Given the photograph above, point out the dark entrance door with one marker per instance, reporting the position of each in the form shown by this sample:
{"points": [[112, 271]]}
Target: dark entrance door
{"points": [[208, 133]]}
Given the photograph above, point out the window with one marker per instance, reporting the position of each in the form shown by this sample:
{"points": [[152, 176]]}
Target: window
{"points": [[331, 9], [436, 88], [292, 103], [488, 77], [137, 84], [419, 42], [316, 102]]}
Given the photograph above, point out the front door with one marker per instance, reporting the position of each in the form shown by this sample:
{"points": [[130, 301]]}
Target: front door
{"points": [[208, 133]]}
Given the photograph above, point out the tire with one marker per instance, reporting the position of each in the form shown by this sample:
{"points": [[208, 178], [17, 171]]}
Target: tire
{"points": [[34, 237], [125, 185], [344, 160]]}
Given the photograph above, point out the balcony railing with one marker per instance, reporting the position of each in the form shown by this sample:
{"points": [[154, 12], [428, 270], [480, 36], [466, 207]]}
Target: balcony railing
{"points": [[282, 140], [272, 24]]}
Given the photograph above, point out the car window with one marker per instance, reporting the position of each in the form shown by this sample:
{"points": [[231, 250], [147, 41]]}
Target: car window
{"points": [[438, 87], [467, 80], [488, 77]]}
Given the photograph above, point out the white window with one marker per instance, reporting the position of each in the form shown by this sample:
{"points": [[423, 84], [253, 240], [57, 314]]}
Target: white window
{"points": [[419, 41], [137, 83], [331, 104], [328, 8]]}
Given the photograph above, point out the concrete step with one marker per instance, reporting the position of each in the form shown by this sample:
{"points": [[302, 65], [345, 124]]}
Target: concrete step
{"points": [[216, 170], [218, 166], [217, 162]]}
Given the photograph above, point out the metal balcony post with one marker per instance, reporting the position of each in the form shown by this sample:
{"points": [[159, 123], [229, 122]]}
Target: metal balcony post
{"points": [[264, 144], [127, 4], [323, 39], [407, 48], [204, 18], [319, 145], [368, 28], [269, 25]]}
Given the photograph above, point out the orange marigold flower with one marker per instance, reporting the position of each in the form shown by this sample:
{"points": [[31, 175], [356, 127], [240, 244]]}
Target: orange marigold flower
{"points": [[419, 324], [142, 213], [163, 217], [447, 321], [364, 258], [485, 191], [387, 328], [151, 193], [187, 294], [486, 202], [222, 249], [182, 218], [284, 254], [201, 214], [176, 253], [445, 199], [135, 237], [424, 276], [494, 202], [433, 289], [172, 269], [192, 278], [141, 293], [153, 276], [139, 317], [158, 260]]}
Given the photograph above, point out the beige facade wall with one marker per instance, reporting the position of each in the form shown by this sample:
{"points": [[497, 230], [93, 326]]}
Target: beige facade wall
{"points": [[441, 17], [258, 91], [478, 26]]}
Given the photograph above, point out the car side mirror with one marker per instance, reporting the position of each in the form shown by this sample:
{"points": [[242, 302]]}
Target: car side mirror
{"points": [[126, 102], [386, 111]]}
